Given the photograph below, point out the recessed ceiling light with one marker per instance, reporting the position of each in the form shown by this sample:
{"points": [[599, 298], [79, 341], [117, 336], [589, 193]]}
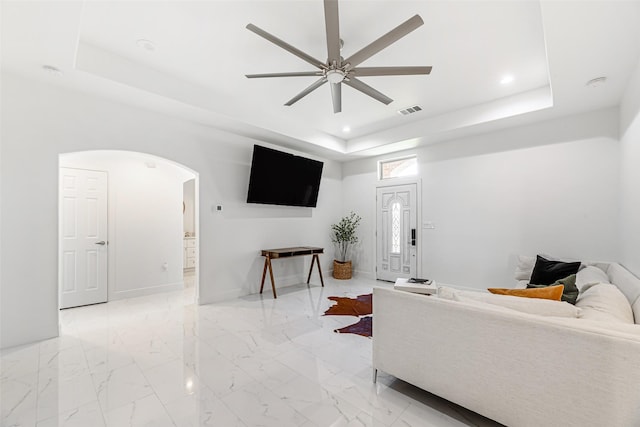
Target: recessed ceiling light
{"points": [[506, 79], [598, 81], [146, 45], [52, 70], [346, 129]]}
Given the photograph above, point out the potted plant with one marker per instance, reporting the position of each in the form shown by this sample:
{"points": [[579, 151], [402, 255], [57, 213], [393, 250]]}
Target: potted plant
{"points": [[343, 234]]}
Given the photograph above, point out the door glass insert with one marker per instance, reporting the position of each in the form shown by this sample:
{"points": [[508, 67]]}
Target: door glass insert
{"points": [[395, 227]]}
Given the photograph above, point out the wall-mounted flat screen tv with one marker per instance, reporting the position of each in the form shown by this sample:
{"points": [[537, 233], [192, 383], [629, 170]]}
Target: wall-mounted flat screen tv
{"points": [[279, 178]]}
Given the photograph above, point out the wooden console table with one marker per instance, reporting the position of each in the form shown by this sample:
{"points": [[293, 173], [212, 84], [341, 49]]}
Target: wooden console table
{"points": [[270, 254]]}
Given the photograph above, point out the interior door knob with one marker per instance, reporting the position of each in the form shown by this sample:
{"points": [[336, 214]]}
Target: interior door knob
{"points": [[101, 243]]}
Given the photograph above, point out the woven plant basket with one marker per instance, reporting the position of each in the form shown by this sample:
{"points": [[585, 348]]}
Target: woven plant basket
{"points": [[341, 270]]}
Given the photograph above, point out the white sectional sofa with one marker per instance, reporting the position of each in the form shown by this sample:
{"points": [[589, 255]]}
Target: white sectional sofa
{"points": [[517, 368]]}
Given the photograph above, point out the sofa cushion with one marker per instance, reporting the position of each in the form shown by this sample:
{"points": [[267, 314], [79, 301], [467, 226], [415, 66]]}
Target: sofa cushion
{"points": [[545, 272], [541, 307], [570, 293], [545, 292], [479, 304], [625, 281], [604, 302], [590, 274]]}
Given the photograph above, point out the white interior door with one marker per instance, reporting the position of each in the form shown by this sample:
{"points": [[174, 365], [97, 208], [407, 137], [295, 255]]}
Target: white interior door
{"points": [[83, 237], [396, 232]]}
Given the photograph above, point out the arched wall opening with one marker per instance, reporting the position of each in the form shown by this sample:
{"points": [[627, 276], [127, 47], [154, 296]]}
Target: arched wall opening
{"points": [[146, 224]]}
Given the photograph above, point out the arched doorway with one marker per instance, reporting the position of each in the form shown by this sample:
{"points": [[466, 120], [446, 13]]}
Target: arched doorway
{"points": [[144, 249]]}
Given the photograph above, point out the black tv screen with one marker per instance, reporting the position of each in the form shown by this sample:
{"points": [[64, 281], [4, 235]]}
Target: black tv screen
{"points": [[279, 178]]}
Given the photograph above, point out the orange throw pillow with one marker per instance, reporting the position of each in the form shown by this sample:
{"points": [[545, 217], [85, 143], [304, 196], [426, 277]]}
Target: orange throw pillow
{"points": [[549, 292]]}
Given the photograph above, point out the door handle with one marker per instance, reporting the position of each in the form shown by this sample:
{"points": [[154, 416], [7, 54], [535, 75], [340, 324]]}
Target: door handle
{"points": [[101, 243], [413, 237]]}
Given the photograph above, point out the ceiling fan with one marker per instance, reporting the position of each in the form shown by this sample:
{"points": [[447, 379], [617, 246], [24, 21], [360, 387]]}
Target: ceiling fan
{"points": [[337, 70]]}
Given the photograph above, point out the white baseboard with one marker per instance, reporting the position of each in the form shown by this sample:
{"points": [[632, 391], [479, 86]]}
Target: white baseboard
{"points": [[141, 292], [361, 274], [222, 296], [281, 283]]}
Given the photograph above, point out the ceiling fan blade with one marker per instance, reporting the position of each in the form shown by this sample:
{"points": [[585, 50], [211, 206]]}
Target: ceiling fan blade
{"points": [[332, 25], [336, 97], [293, 74], [286, 46], [367, 90], [306, 92], [390, 71], [384, 41]]}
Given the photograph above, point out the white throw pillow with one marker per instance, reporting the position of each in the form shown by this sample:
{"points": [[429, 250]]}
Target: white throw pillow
{"points": [[525, 267], [604, 302], [521, 284], [538, 306], [590, 275]]}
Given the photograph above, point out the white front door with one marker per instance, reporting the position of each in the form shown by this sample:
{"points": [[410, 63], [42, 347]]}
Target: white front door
{"points": [[396, 230], [83, 237]]}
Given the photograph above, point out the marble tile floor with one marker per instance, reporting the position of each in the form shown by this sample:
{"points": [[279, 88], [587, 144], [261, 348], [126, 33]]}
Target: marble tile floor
{"points": [[162, 361]]}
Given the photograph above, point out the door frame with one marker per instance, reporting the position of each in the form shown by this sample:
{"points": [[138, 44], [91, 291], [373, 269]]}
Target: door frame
{"points": [[393, 182]]}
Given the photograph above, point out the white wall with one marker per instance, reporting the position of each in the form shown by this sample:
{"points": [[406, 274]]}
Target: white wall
{"points": [[630, 175], [145, 220], [545, 188], [551, 187], [40, 121], [189, 199]]}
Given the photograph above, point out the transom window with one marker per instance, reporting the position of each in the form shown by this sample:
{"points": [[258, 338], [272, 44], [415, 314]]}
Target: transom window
{"points": [[398, 168]]}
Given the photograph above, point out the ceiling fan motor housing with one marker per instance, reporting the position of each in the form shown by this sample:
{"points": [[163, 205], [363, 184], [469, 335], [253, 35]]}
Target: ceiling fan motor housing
{"points": [[335, 76]]}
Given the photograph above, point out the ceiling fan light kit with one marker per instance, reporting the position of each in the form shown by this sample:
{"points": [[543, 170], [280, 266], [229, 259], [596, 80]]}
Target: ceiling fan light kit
{"points": [[337, 70], [335, 76]]}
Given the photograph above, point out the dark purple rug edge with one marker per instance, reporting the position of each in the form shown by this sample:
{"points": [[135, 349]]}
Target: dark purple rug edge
{"points": [[363, 327]]}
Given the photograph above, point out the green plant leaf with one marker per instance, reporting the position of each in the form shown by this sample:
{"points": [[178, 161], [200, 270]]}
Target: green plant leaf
{"points": [[344, 233]]}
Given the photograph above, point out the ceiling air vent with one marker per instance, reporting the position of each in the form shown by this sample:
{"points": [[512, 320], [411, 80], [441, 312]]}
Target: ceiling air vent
{"points": [[410, 110]]}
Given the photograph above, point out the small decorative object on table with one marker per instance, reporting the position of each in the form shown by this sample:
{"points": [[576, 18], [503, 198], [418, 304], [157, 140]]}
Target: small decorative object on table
{"points": [[417, 286]]}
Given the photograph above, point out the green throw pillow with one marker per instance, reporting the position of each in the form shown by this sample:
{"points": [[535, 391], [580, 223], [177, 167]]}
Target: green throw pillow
{"points": [[570, 293]]}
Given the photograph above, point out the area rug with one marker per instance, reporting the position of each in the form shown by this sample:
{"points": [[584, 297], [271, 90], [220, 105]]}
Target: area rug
{"points": [[364, 327], [360, 306]]}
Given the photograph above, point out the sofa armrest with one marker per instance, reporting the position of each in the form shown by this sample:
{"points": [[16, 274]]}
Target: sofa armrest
{"points": [[517, 369]]}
